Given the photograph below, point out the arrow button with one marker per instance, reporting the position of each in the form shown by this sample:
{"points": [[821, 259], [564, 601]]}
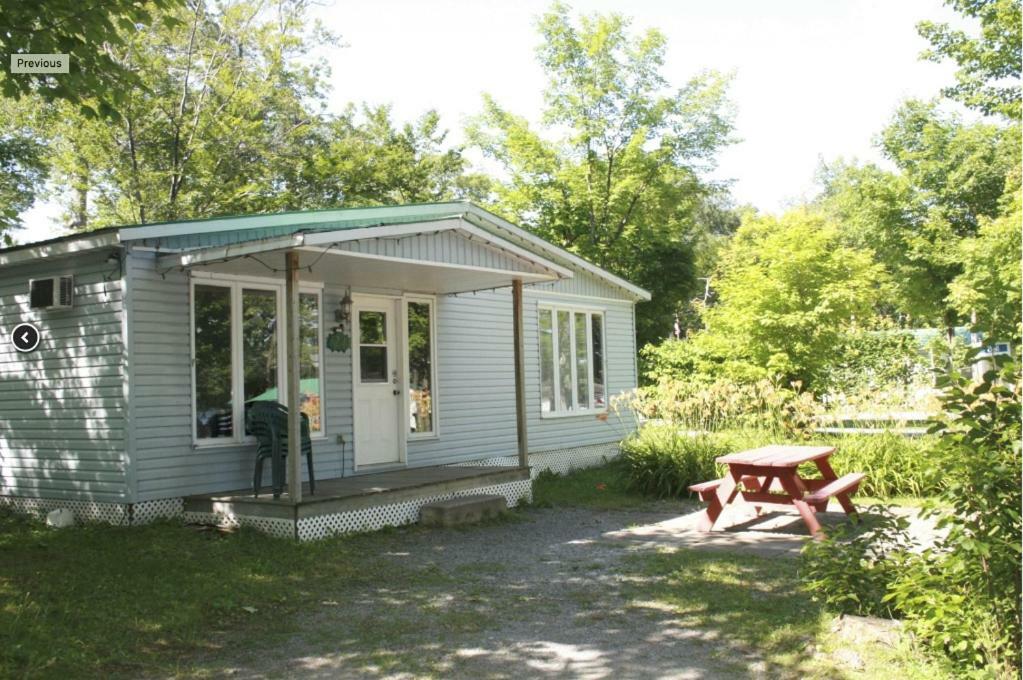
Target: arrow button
{"points": [[25, 337]]}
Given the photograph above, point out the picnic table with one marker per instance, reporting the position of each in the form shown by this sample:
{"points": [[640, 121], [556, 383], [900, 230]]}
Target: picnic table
{"points": [[769, 476]]}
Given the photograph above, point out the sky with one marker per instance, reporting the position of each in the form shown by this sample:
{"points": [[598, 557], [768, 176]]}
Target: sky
{"points": [[813, 79]]}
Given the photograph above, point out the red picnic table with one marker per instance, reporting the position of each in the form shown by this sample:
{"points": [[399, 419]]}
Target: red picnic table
{"points": [[768, 476]]}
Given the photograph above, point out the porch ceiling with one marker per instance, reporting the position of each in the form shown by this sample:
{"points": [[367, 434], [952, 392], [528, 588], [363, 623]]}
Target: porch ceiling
{"points": [[376, 272]]}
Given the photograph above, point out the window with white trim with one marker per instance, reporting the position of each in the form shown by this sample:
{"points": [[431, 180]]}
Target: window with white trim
{"points": [[572, 356], [237, 343], [421, 366]]}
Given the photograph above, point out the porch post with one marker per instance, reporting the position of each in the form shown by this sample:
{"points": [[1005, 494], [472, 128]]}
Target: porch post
{"points": [[291, 325], [520, 375]]}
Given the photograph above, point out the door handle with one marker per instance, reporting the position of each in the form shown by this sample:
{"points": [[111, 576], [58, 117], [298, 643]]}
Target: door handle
{"points": [[396, 392]]}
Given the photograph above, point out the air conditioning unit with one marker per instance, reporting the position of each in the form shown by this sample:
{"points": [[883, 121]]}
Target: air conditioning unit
{"points": [[55, 293]]}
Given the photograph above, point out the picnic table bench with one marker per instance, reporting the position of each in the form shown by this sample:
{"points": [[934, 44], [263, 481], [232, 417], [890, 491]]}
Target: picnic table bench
{"points": [[769, 476]]}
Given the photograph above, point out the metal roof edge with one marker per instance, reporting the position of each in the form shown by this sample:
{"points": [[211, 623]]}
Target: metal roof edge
{"points": [[571, 258]]}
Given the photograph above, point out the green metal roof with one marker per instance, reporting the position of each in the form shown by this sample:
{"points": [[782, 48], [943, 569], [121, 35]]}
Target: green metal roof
{"points": [[184, 235]]}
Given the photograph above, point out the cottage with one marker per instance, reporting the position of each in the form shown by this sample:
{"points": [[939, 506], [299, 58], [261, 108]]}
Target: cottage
{"points": [[436, 349]]}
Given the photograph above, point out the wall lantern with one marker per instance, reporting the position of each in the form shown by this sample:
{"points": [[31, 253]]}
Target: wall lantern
{"points": [[343, 313]]}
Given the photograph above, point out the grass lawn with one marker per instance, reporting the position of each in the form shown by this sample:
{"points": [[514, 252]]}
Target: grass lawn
{"points": [[599, 488], [100, 601]]}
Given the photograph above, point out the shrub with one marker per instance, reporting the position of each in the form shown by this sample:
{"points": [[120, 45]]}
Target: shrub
{"points": [[961, 597], [875, 359], [895, 465], [852, 571], [725, 404], [662, 462]]}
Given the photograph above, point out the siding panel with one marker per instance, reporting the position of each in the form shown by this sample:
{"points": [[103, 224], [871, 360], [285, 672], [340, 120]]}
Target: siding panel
{"points": [[62, 406]]}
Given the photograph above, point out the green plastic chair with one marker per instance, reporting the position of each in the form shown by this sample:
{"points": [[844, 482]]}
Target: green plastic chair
{"points": [[268, 423]]}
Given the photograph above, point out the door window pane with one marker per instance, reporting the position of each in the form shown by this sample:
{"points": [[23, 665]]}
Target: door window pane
{"points": [[582, 363], [565, 359], [259, 346], [373, 364], [420, 367], [213, 362], [599, 389], [372, 329], [546, 362], [309, 358]]}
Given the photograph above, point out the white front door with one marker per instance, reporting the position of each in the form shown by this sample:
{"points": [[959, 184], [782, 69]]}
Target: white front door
{"points": [[377, 380]]}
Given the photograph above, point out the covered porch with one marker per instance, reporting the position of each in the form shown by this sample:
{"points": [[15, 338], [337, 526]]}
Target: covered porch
{"points": [[381, 268], [357, 503]]}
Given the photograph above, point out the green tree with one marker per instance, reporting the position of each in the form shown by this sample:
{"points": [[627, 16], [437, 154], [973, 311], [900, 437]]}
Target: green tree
{"points": [[98, 79], [365, 159], [989, 288], [227, 103], [988, 78], [950, 178], [22, 169], [788, 289], [233, 120], [614, 173]]}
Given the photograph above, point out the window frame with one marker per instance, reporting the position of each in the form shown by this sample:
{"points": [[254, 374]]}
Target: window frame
{"points": [[591, 409], [236, 284], [430, 300]]}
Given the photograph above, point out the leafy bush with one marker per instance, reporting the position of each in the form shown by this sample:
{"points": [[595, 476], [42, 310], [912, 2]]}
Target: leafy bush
{"points": [[895, 465], [661, 461], [724, 404], [874, 359], [852, 571], [962, 596]]}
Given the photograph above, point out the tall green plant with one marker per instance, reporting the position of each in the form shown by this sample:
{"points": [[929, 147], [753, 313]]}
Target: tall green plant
{"points": [[965, 594]]}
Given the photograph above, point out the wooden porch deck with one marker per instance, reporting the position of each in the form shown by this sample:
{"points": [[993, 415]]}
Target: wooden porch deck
{"points": [[357, 492]]}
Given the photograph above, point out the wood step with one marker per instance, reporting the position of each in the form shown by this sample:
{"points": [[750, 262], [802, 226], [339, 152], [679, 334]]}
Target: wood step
{"points": [[462, 510]]}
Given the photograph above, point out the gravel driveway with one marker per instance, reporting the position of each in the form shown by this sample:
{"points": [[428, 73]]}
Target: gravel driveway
{"points": [[546, 593], [540, 595]]}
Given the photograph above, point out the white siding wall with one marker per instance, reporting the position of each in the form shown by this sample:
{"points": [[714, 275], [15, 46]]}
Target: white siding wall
{"points": [[475, 390], [62, 419]]}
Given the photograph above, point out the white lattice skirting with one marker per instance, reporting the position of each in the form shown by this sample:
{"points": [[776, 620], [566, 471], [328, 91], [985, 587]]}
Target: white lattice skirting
{"points": [[85, 511], [559, 461], [363, 519], [118, 514]]}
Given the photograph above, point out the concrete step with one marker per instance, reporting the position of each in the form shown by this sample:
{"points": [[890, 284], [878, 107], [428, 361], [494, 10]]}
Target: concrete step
{"points": [[462, 510]]}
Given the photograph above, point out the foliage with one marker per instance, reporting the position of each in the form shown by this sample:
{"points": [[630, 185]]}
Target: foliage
{"points": [[98, 79], [961, 596], [978, 563], [895, 465], [951, 178], [851, 571], [723, 404], [232, 119], [619, 184], [989, 64], [865, 361], [22, 172], [662, 462], [990, 284], [788, 289]]}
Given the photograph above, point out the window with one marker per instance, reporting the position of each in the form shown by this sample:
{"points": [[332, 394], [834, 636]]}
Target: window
{"points": [[373, 347], [238, 350], [572, 359], [212, 337], [259, 346], [421, 367], [310, 387]]}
